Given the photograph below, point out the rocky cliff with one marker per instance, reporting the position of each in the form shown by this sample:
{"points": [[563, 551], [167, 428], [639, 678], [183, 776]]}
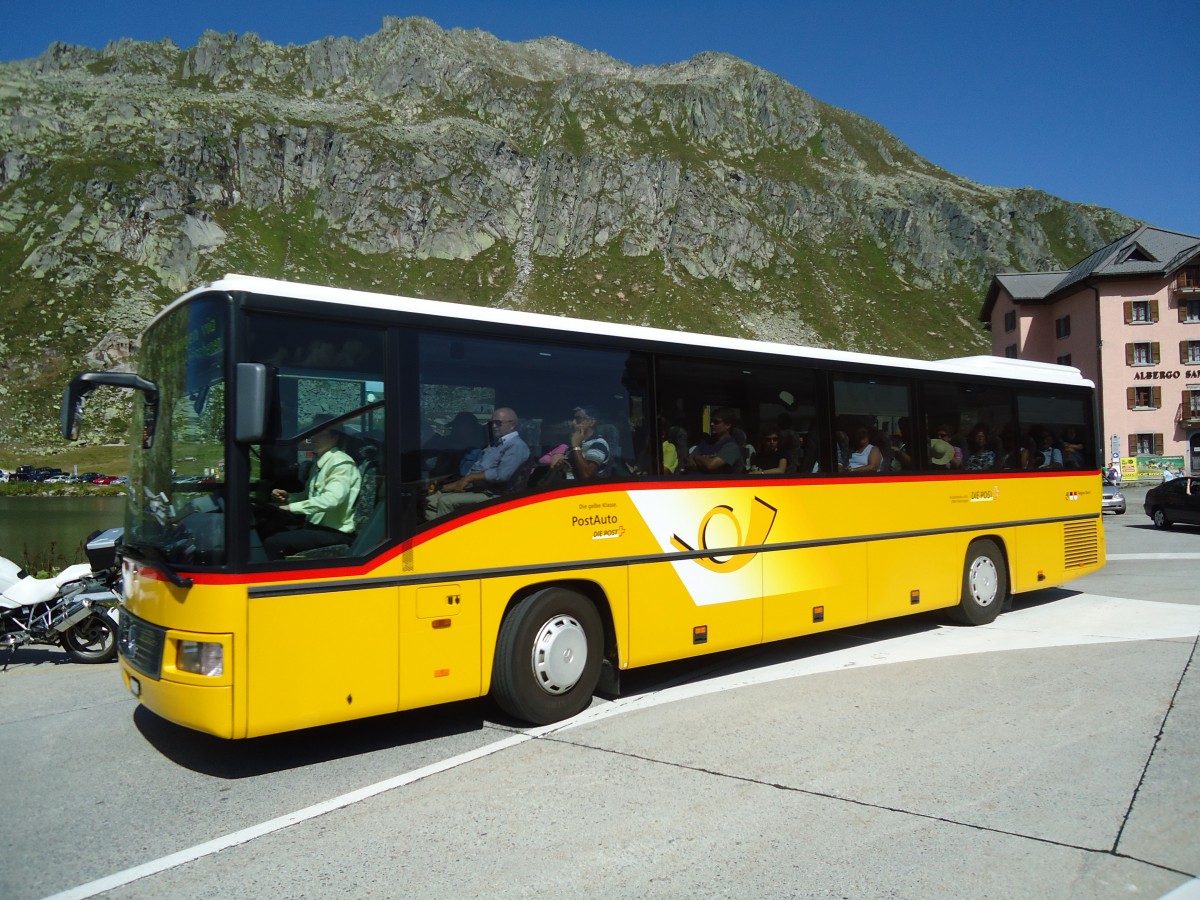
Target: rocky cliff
{"points": [[706, 195]]}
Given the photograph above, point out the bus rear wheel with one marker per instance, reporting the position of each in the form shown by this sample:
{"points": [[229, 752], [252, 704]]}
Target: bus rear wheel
{"points": [[984, 585], [548, 657]]}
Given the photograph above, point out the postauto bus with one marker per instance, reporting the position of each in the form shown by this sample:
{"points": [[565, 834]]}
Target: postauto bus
{"points": [[975, 479]]}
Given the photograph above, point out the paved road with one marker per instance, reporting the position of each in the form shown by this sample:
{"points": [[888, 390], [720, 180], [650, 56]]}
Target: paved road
{"points": [[1054, 753]]}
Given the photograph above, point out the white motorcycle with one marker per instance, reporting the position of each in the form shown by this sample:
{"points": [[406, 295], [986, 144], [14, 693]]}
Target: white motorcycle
{"points": [[76, 609]]}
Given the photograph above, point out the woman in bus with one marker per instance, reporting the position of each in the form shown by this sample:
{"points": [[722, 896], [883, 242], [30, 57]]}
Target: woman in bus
{"points": [[981, 454], [865, 457]]}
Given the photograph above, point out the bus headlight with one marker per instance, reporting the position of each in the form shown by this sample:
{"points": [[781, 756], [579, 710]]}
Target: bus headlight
{"points": [[201, 658]]}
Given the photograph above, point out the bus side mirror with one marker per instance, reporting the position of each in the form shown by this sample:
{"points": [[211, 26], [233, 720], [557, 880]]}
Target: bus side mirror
{"points": [[85, 382], [250, 424]]}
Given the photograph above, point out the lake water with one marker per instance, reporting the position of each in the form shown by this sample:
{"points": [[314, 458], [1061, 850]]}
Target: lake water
{"points": [[47, 533]]}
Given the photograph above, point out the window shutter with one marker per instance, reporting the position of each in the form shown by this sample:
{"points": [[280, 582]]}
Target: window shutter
{"points": [[1129, 354], [1155, 355], [1156, 397], [1128, 312], [1132, 445], [1130, 398], [1182, 307], [1153, 310], [1183, 351], [1158, 445]]}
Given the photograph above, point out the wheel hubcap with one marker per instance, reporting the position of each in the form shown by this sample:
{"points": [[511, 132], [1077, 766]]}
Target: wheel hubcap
{"points": [[559, 654], [984, 580]]}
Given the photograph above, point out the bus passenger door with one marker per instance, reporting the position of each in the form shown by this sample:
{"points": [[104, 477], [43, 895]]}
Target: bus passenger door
{"points": [[439, 643]]}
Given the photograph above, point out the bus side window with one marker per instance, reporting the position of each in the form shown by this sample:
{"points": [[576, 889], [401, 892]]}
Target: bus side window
{"points": [[1056, 425], [873, 425], [968, 426]]}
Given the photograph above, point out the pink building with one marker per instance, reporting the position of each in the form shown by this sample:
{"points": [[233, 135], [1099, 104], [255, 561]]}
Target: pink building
{"points": [[1128, 317]]}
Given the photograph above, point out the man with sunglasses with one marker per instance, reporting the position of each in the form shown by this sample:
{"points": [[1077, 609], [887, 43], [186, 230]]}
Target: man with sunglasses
{"points": [[722, 453], [491, 473]]}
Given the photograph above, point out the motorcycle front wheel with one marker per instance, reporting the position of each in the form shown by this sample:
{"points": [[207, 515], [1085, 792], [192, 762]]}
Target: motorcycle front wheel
{"points": [[94, 640]]}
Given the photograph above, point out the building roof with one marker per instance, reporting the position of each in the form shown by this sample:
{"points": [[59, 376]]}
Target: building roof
{"points": [[1149, 251]]}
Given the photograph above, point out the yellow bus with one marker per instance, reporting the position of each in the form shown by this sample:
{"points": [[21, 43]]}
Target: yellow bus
{"points": [[675, 495]]}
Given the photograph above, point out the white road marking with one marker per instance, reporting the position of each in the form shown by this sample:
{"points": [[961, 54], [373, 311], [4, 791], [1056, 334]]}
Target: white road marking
{"points": [[1076, 620], [1119, 557]]}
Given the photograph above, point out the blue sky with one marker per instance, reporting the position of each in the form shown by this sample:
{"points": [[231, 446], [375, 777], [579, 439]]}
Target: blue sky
{"points": [[1097, 102]]}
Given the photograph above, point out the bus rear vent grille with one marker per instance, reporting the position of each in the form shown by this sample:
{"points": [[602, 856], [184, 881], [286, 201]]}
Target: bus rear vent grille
{"points": [[1081, 544]]}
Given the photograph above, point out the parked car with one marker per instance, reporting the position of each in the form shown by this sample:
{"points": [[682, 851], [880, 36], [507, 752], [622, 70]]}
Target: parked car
{"points": [[58, 479], [1114, 500], [104, 479], [1174, 502]]}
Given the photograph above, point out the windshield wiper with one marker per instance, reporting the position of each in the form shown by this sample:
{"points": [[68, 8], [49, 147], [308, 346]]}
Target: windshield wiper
{"points": [[149, 553]]}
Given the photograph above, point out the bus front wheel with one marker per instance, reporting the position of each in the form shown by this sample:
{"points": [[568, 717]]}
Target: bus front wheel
{"points": [[548, 656], [984, 585]]}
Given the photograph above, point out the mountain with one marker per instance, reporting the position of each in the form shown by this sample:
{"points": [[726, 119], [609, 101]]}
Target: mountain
{"points": [[705, 195]]}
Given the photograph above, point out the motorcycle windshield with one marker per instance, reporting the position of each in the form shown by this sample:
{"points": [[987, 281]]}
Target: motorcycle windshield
{"points": [[177, 480]]}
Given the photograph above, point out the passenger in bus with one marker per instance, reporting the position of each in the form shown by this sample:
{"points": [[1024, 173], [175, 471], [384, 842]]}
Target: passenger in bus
{"points": [[941, 454], [865, 457], [327, 504], [457, 451], [772, 458], [902, 450], [841, 449], [490, 474], [1049, 456], [981, 452], [1072, 448], [721, 453], [586, 455], [947, 434], [674, 448], [1019, 450]]}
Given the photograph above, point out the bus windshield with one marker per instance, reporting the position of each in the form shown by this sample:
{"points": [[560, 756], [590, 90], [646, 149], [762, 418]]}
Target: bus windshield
{"points": [[176, 509]]}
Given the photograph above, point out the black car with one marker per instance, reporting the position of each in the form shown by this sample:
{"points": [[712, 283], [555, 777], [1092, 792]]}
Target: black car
{"points": [[1175, 501]]}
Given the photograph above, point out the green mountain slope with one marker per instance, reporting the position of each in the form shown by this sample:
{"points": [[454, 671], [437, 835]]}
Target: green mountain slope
{"points": [[707, 195]]}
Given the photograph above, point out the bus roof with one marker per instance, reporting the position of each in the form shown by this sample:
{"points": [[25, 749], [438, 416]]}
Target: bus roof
{"points": [[986, 366]]}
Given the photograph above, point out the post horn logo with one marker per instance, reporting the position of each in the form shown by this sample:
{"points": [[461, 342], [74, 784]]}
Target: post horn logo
{"points": [[762, 518]]}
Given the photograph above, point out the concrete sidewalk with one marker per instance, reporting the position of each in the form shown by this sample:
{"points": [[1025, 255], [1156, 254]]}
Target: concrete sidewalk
{"points": [[923, 761]]}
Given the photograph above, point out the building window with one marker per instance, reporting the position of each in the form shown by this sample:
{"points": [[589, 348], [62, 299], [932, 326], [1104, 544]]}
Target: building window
{"points": [[1189, 311], [1189, 278], [1145, 445], [1062, 327], [1011, 351], [1142, 353], [1191, 404], [1189, 352], [1143, 397], [1010, 320], [1064, 360], [1141, 312]]}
